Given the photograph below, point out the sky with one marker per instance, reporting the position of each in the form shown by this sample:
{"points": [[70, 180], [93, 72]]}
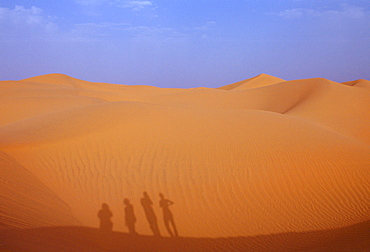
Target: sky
{"points": [[185, 43]]}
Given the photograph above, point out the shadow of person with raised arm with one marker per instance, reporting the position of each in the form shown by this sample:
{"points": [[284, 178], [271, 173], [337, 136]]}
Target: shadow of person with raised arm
{"points": [[167, 215], [130, 218], [147, 203], [104, 215]]}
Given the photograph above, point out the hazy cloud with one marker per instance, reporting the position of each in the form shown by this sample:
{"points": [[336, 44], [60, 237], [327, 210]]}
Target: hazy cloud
{"points": [[91, 2], [90, 31], [293, 13], [130, 4], [135, 5], [118, 31], [27, 23], [206, 26], [20, 15], [346, 11]]}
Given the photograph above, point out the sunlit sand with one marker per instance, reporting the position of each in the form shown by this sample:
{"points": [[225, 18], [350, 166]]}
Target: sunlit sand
{"points": [[263, 164]]}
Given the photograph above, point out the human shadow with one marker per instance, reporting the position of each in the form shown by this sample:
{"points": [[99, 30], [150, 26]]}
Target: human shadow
{"points": [[105, 216], [168, 216], [130, 218], [147, 203]]}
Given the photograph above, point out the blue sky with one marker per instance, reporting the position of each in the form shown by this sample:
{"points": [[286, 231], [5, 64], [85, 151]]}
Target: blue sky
{"points": [[178, 43]]}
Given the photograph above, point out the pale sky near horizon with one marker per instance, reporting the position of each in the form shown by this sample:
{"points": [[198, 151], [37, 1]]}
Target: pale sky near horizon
{"points": [[185, 43]]}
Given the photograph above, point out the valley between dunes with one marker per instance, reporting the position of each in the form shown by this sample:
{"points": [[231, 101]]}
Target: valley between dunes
{"points": [[257, 158]]}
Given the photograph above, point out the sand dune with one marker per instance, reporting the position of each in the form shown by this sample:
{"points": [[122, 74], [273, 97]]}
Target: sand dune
{"points": [[259, 157]]}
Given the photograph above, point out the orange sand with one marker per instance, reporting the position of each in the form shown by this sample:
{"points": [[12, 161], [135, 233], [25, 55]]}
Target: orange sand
{"points": [[257, 158]]}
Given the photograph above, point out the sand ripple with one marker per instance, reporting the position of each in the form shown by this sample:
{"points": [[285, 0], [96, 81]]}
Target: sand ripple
{"points": [[260, 157]]}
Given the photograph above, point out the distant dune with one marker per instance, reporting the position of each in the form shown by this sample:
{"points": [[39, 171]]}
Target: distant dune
{"points": [[263, 157]]}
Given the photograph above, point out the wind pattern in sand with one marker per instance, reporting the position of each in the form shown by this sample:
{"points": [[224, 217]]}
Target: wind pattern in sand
{"points": [[258, 157]]}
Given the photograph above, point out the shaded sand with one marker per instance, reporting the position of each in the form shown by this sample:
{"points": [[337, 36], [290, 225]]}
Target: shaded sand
{"points": [[353, 238], [26, 201], [260, 157]]}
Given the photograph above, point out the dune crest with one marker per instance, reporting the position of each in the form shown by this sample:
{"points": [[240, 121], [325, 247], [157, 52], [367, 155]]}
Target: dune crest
{"points": [[258, 157], [254, 82], [56, 78], [358, 83]]}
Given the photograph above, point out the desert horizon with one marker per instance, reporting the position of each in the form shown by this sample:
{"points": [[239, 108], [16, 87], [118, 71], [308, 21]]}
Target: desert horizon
{"points": [[263, 164]]}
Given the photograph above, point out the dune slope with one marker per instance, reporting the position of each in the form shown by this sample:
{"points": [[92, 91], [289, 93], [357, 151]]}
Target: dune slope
{"points": [[258, 157], [26, 202]]}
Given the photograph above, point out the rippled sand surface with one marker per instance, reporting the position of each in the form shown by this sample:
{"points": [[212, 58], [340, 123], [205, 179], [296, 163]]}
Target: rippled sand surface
{"points": [[263, 157]]}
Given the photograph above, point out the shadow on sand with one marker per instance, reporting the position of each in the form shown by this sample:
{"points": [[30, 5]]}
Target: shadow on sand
{"points": [[105, 216], [352, 238]]}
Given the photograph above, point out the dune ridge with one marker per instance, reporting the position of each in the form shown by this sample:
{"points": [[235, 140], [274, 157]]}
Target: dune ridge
{"points": [[254, 82], [258, 157]]}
